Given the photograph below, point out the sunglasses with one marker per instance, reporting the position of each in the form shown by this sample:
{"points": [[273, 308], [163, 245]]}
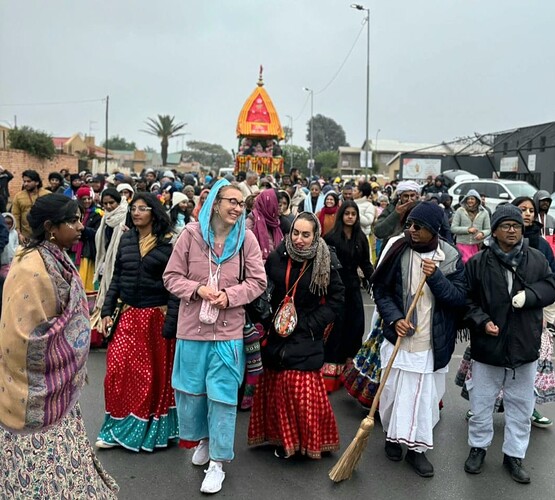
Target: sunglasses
{"points": [[417, 227]]}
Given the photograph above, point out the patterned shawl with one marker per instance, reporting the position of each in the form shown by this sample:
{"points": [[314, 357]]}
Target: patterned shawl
{"points": [[44, 340]]}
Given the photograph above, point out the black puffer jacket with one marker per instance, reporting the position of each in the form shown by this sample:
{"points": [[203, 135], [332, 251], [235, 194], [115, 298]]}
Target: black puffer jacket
{"points": [[304, 348], [138, 281], [489, 299], [88, 235]]}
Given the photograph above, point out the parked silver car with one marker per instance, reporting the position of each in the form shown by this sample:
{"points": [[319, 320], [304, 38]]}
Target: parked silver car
{"points": [[496, 190]]}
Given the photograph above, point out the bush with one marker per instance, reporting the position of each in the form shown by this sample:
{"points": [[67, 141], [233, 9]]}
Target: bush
{"points": [[33, 141]]}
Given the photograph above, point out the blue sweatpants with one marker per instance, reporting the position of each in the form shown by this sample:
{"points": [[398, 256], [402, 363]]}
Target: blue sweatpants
{"points": [[206, 378], [518, 400]]}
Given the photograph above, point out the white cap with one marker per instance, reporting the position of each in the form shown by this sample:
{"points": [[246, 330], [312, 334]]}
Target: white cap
{"points": [[177, 198]]}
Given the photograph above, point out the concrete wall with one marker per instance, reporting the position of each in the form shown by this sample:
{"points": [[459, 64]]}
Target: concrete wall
{"points": [[16, 161]]}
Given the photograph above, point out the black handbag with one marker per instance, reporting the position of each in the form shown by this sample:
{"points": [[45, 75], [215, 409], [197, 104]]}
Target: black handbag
{"points": [[115, 320], [260, 309]]}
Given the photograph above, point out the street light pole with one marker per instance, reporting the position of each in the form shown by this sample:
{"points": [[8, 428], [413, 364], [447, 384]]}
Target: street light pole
{"points": [[367, 20], [376, 147], [311, 166], [290, 138]]}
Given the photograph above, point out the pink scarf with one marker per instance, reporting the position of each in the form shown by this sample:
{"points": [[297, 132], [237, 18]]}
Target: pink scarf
{"points": [[265, 216]]}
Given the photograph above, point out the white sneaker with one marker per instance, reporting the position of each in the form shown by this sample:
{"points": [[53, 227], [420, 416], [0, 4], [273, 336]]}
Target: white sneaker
{"points": [[100, 443], [214, 478], [201, 456]]}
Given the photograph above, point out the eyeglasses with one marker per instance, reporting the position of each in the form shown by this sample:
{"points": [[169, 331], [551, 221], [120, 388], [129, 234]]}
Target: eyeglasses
{"points": [[417, 227], [140, 208], [510, 227], [234, 202]]}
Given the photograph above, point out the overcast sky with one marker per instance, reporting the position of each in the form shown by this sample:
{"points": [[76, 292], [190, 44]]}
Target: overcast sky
{"points": [[439, 68]]}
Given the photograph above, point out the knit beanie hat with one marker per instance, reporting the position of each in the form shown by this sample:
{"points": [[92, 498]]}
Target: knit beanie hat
{"points": [[504, 213], [427, 214], [83, 191]]}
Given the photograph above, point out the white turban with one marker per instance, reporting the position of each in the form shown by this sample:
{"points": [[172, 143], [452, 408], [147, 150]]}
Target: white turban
{"points": [[404, 186]]}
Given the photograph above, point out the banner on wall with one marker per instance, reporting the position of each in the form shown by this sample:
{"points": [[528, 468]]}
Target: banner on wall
{"points": [[508, 164], [420, 168]]}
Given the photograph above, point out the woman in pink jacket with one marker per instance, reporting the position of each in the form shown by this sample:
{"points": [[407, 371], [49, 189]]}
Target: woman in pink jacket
{"points": [[204, 272]]}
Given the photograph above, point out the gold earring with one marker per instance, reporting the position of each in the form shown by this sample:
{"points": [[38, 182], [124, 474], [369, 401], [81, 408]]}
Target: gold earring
{"points": [[52, 237]]}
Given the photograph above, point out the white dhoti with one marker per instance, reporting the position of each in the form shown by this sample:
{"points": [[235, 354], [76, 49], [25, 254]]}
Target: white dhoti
{"points": [[409, 404]]}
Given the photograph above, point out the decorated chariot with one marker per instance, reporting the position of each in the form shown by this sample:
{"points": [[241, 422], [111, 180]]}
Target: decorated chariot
{"points": [[259, 132]]}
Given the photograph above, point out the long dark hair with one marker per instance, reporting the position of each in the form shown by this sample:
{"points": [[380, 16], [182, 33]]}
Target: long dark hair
{"points": [[175, 211], [161, 225], [55, 208], [337, 238], [34, 176]]}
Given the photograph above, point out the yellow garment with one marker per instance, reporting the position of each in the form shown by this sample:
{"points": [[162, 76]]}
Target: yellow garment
{"points": [[29, 300], [21, 206], [147, 243], [86, 271]]}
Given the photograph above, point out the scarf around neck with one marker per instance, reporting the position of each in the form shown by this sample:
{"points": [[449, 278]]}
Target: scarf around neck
{"points": [[512, 258], [53, 349], [265, 215], [318, 251], [106, 254], [386, 269], [236, 236]]}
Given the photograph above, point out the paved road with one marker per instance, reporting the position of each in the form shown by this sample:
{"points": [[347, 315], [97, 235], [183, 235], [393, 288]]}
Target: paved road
{"points": [[256, 473]]}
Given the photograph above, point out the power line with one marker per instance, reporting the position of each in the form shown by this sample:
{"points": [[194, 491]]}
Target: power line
{"points": [[344, 61], [53, 103], [336, 73]]}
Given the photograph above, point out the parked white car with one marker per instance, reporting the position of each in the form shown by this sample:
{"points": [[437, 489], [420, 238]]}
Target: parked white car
{"points": [[496, 190]]}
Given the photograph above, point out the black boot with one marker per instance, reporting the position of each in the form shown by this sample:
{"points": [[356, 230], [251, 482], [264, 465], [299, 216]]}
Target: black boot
{"points": [[475, 460], [393, 451], [420, 463], [515, 468]]}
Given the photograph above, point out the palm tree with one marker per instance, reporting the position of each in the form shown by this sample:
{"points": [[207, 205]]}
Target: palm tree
{"points": [[164, 128]]}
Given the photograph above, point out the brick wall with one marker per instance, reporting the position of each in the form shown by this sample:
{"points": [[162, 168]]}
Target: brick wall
{"points": [[16, 161]]}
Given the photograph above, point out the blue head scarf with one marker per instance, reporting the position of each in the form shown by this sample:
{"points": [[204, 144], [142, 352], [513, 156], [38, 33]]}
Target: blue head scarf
{"points": [[236, 236]]}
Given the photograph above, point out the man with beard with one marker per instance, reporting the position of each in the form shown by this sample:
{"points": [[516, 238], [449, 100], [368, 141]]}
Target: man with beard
{"points": [[24, 200], [409, 406]]}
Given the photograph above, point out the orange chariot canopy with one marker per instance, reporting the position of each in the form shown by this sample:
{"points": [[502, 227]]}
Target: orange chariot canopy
{"points": [[259, 132], [258, 117]]}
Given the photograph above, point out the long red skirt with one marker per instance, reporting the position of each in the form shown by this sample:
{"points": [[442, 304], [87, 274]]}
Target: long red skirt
{"points": [[291, 409], [140, 404]]}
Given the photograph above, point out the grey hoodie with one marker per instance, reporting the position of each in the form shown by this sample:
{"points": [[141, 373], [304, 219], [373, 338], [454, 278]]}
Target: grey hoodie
{"points": [[545, 219]]}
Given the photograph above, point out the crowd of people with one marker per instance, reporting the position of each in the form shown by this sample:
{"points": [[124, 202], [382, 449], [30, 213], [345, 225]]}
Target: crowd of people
{"points": [[247, 292]]}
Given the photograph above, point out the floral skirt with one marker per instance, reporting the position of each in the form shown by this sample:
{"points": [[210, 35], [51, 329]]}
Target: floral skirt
{"points": [[57, 463], [362, 377], [545, 377], [291, 409], [140, 403]]}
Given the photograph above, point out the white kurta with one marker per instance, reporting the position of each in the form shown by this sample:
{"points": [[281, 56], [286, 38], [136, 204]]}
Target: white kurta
{"points": [[409, 404]]}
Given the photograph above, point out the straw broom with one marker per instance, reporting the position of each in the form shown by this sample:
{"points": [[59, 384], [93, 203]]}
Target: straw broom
{"points": [[344, 468]]}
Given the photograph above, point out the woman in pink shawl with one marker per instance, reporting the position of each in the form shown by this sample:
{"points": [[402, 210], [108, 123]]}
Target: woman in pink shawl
{"points": [[264, 222]]}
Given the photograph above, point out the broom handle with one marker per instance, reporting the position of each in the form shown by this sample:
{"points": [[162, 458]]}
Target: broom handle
{"points": [[385, 374]]}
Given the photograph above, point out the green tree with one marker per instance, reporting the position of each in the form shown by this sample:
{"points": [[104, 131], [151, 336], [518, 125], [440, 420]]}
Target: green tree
{"points": [[300, 158], [325, 163], [212, 155], [119, 143], [328, 134], [33, 141], [164, 127]]}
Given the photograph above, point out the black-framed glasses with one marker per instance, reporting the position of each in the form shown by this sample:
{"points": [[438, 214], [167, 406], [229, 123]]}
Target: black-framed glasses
{"points": [[417, 227], [140, 208], [506, 227], [234, 202]]}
